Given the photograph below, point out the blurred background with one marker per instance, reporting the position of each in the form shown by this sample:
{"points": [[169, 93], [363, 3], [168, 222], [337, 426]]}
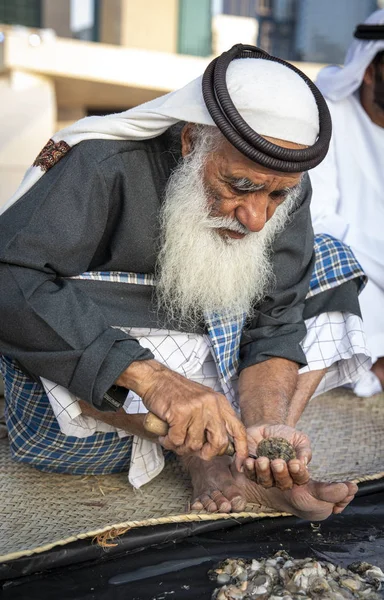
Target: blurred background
{"points": [[61, 60]]}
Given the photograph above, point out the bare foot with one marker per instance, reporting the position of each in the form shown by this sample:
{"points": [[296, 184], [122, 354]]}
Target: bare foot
{"points": [[378, 370], [219, 487], [215, 488]]}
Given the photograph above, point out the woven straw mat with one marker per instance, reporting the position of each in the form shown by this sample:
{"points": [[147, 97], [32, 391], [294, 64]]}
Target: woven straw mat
{"points": [[43, 510]]}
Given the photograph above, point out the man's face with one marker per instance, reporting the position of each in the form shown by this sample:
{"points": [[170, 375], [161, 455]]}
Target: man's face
{"points": [[244, 193], [216, 247], [378, 93], [372, 93]]}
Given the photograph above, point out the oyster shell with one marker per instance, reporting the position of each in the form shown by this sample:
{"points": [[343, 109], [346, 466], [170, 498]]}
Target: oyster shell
{"points": [[276, 448], [282, 577]]}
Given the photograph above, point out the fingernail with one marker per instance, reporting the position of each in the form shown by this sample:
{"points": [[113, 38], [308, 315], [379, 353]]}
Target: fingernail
{"points": [[279, 467], [263, 464], [295, 468], [305, 460]]}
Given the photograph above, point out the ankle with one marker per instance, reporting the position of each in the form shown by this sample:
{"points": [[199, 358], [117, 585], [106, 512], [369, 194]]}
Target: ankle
{"points": [[195, 464], [378, 370]]}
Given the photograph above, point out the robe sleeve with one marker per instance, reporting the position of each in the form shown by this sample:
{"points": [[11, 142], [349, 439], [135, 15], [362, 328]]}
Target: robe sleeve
{"points": [[50, 326], [278, 327], [326, 197], [325, 218]]}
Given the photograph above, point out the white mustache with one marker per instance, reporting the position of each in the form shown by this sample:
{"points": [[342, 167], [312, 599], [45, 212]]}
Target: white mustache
{"points": [[227, 223]]}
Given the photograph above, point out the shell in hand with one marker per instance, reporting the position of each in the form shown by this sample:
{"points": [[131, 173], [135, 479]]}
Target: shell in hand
{"points": [[275, 447]]}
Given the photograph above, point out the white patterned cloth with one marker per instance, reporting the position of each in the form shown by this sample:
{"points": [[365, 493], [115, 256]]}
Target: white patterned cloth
{"points": [[334, 341]]}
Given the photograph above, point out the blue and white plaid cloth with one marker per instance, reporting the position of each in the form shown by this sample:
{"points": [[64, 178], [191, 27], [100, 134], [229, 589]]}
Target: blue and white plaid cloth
{"points": [[335, 264], [35, 436]]}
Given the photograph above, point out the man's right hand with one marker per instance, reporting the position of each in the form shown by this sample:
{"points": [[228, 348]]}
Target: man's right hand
{"points": [[199, 419]]}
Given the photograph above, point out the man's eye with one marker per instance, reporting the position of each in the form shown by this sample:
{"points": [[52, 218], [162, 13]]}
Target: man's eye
{"points": [[279, 195], [237, 191]]}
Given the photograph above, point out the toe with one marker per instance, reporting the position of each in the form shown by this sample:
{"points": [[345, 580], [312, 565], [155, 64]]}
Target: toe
{"points": [[208, 504], [331, 492], [222, 503], [196, 505], [352, 487], [339, 507], [235, 495], [238, 504]]}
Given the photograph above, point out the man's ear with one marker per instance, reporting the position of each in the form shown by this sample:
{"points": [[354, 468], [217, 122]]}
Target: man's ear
{"points": [[186, 139], [369, 75]]}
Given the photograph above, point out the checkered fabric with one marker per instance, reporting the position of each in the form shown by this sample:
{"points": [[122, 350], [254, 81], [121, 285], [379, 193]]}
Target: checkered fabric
{"points": [[34, 432], [118, 277], [335, 264], [225, 334], [35, 437]]}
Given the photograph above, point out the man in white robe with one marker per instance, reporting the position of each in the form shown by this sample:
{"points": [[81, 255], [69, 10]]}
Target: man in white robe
{"points": [[348, 186]]}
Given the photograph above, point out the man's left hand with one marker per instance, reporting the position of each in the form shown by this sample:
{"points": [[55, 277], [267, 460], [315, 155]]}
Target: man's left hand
{"points": [[278, 473]]}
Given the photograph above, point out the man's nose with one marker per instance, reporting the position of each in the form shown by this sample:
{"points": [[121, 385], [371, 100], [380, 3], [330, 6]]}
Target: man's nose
{"points": [[254, 212]]}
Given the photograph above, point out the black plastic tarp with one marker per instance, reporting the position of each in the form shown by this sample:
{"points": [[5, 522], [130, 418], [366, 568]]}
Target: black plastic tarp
{"points": [[171, 563]]}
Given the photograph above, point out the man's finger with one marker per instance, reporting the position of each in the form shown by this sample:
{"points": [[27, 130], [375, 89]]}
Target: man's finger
{"points": [[250, 469], [303, 451], [283, 480], [176, 434], [264, 475], [298, 471], [237, 431], [216, 439], [168, 445], [195, 438], [209, 451], [304, 455]]}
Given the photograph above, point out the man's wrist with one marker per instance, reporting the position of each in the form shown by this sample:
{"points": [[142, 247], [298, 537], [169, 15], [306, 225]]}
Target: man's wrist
{"points": [[265, 408], [140, 376], [264, 423], [265, 392]]}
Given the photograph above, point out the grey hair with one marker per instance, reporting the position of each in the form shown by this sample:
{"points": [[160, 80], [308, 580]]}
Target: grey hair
{"points": [[205, 138]]}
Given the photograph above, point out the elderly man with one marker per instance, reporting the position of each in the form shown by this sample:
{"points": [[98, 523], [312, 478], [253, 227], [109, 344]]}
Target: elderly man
{"points": [[163, 259], [348, 186]]}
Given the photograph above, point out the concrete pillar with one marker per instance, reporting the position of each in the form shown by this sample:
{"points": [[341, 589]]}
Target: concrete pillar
{"points": [[56, 15], [148, 24], [110, 26]]}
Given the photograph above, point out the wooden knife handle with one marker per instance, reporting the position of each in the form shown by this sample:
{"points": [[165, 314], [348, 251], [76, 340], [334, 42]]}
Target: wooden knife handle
{"points": [[155, 425]]}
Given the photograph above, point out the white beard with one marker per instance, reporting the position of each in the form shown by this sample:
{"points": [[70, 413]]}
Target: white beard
{"points": [[200, 272]]}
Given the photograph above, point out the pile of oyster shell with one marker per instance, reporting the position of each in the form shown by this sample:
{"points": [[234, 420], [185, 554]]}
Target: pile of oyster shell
{"points": [[285, 578]]}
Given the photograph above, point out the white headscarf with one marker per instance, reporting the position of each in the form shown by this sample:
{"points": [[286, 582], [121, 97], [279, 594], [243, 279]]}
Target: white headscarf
{"points": [[273, 99], [337, 82]]}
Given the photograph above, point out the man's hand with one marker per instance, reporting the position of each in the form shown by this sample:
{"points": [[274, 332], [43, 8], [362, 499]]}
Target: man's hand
{"points": [[278, 473], [199, 419]]}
